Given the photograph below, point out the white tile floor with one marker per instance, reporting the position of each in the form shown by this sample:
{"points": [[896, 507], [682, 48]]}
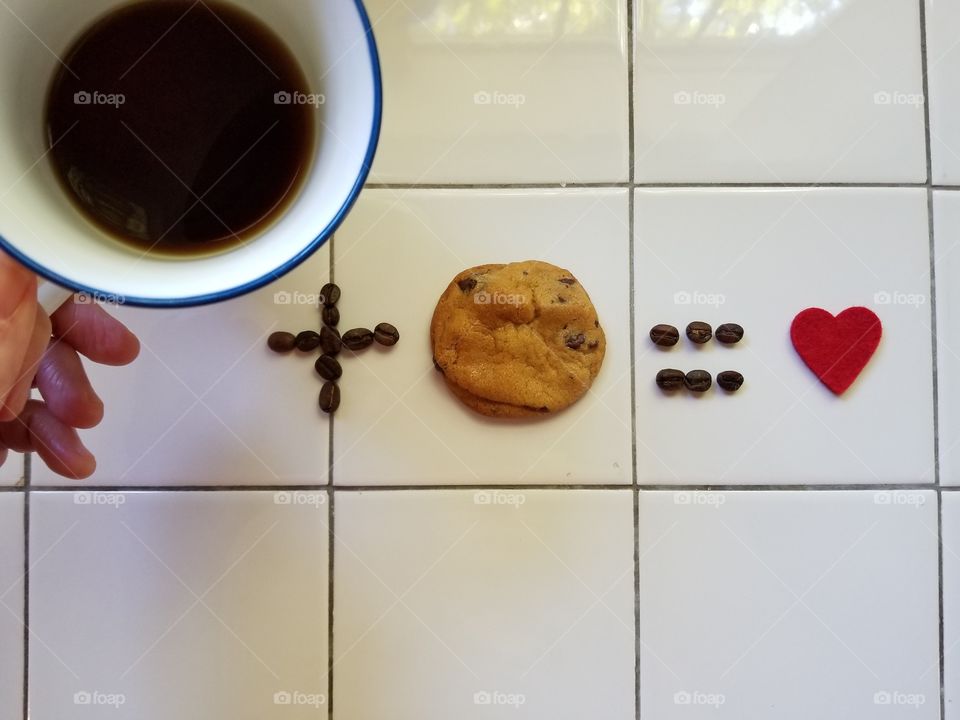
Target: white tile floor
{"points": [[946, 206], [524, 602], [771, 554], [831, 248], [951, 602], [11, 605], [506, 92], [215, 409], [178, 604], [943, 63], [836, 590], [407, 430], [11, 472], [731, 92]]}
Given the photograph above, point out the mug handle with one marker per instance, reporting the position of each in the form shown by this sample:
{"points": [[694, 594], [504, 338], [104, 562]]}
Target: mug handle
{"points": [[52, 296]]}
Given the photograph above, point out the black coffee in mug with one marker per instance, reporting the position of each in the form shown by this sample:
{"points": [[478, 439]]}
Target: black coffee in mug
{"points": [[181, 128]]}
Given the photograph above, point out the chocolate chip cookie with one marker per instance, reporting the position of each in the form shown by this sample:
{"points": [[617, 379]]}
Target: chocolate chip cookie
{"points": [[517, 340]]}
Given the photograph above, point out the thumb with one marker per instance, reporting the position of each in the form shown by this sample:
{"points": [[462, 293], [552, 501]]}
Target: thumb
{"points": [[18, 311]]}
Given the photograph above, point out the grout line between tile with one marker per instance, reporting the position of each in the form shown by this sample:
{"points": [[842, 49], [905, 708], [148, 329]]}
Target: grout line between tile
{"points": [[331, 519], [834, 487], [646, 185], [931, 240], [496, 186], [27, 482], [636, 599], [26, 605], [925, 89], [631, 225], [940, 625], [331, 536], [631, 138]]}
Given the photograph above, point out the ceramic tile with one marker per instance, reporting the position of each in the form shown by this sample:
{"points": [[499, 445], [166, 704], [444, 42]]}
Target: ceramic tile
{"points": [[757, 258], [11, 606], [786, 92], [206, 403], [836, 591], [513, 603], [11, 472], [159, 605], [394, 257], [502, 92], [946, 219], [951, 603], [943, 64]]}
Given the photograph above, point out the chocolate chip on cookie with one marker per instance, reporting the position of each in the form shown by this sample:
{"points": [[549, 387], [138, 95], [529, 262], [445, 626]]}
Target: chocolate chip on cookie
{"points": [[509, 345]]}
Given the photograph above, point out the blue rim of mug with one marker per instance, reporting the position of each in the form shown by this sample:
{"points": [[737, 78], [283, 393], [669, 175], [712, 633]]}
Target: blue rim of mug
{"points": [[290, 264]]}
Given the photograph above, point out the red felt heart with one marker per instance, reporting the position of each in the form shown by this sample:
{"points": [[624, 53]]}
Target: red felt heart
{"points": [[837, 348]]}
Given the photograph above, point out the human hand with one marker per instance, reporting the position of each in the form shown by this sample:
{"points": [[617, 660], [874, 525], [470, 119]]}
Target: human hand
{"points": [[44, 352]]}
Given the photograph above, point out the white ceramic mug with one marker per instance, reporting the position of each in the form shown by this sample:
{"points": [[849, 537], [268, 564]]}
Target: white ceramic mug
{"points": [[334, 43]]}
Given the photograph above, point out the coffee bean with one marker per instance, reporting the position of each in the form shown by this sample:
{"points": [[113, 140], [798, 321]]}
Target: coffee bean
{"points": [[330, 341], [282, 342], [574, 341], [729, 333], [467, 284], [307, 341], [329, 397], [698, 381], [730, 380], [386, 334], [664, 335], [358, 338], [330, 316], [330, 294], [328, 368], [669, 379], [699, 332]]}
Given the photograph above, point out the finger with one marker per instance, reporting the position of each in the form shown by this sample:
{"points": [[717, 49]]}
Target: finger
{"points": [[58, 445], [20, 393], [94, 333], [65, 387], [18, 310]]}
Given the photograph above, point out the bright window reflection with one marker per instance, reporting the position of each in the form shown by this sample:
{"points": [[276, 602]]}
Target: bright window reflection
{"points": [[520, 19], [733, 18]]}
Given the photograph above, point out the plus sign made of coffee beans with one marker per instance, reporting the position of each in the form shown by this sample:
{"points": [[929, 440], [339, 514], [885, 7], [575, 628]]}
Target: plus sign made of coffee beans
{"points": [[330, 343]]}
